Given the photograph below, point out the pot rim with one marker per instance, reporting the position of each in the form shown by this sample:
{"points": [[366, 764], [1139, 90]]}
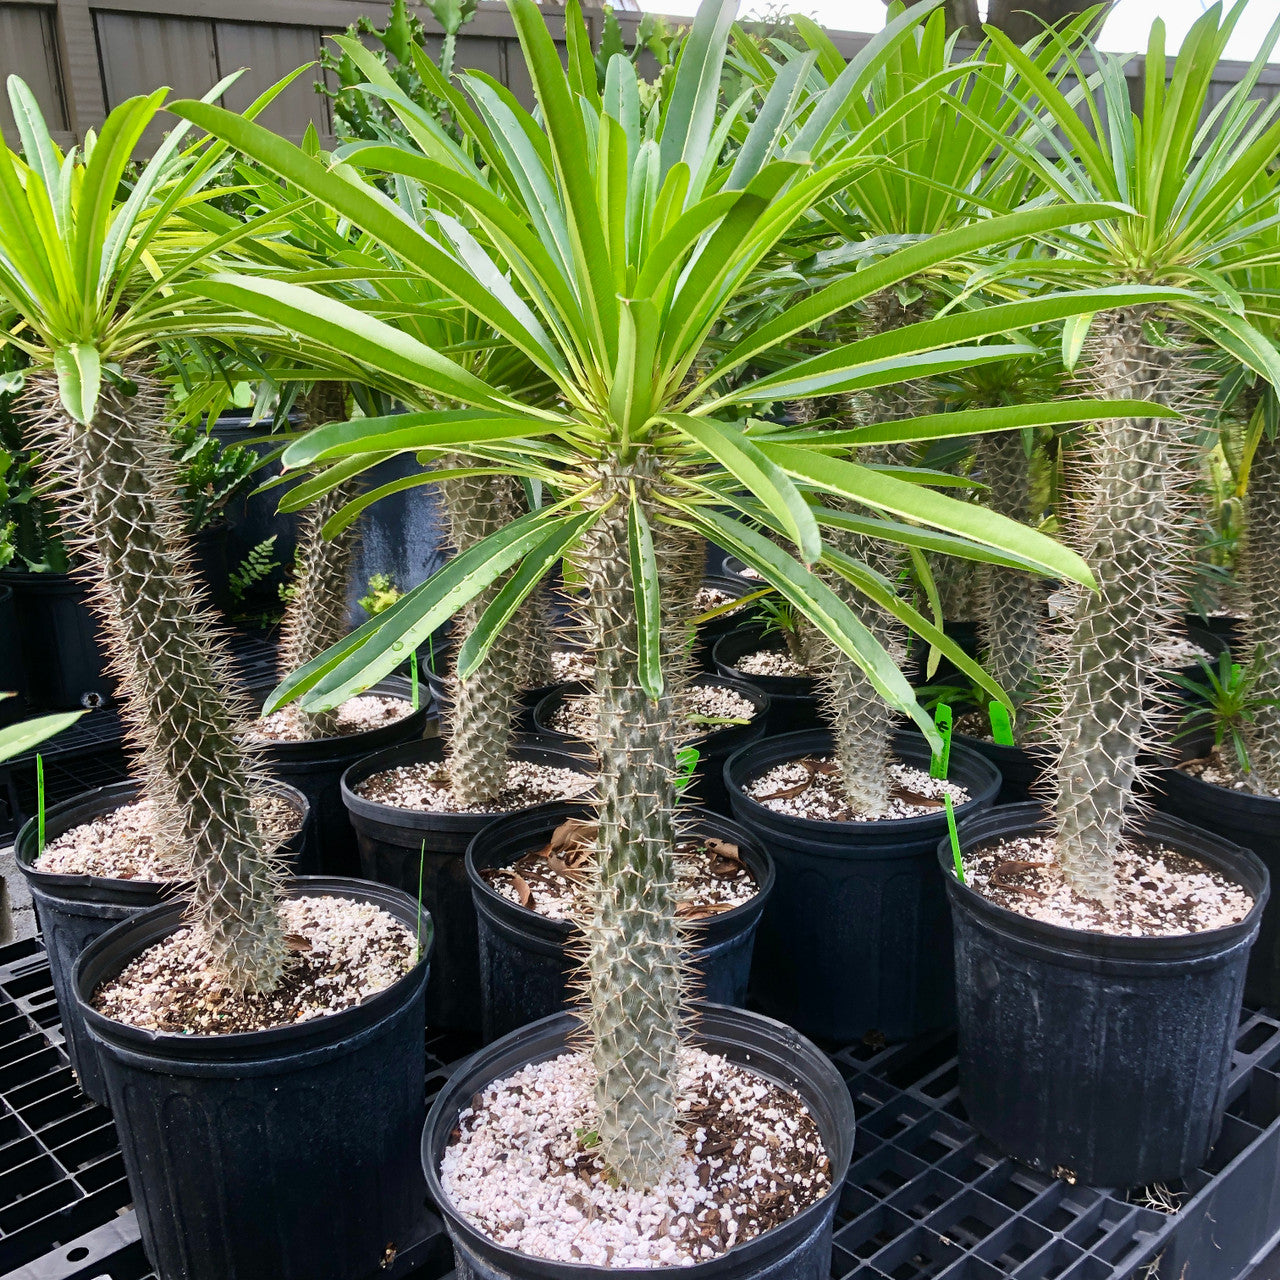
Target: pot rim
{"points": [[791, 685], [158, 922], [1033, 817], [388, 686], [127, 792], [762, 1247], [903, 738], [697, 816], [368, 765]]}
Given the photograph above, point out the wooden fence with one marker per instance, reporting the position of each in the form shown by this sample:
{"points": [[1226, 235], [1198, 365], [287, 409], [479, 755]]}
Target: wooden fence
{"points": [[82, 57]]}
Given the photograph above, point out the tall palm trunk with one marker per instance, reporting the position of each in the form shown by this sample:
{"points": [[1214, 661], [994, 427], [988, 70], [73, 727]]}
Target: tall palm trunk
{"points": [[1132, 524], [484, 705], [119, 492], [1011, 598], [635, 977], [1262, 585], [316, 616]]}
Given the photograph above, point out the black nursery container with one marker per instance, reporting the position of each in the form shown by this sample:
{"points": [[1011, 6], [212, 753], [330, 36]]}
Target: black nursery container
{"points": [[793, 700], [706, 786], [410, 847], [855, 937], [316, 769], [64, 664], [525, 964], [1104, 1056], [1244, 819], [73, 910], [798, 1249], [1020, 769], [289, 1153], [710, 633]]}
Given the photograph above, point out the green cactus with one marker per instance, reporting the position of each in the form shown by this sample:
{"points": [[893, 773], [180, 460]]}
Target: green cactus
{"points": [[121, 511], [316, 616], [484, 705], [1010, 598], [635, 976], [1261, 574], [1131, 523]]}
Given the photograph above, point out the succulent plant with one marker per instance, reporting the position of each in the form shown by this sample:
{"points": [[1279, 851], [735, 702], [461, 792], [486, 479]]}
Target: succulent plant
{"points": [[1261, 732]]}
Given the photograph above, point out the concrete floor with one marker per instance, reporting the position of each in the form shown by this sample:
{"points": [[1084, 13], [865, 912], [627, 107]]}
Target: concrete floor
{"points": [[17, 915]]}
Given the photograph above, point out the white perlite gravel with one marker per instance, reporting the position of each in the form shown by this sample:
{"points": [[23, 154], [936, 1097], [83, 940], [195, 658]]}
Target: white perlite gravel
{"points": [[426, 787], [702, 706], [342, 953], [573, 666], [519, 1171], [770, 662], [1181, 651], [1158, 892], [708, 598], [817, 792], [120, 845], [357, 715]]}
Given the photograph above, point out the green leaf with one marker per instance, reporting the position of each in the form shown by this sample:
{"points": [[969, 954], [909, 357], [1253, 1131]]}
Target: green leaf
{"points": [[374, 649], [646, 591], [1074, 332], [79, 373], [398, 432], [820, 605], [759, 474], [913, 502], [15, 739], [559, 537]]}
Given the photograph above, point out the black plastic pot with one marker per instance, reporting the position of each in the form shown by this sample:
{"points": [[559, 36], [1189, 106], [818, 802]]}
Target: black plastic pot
{"points": [[1105, 1056], [735, 569], [212, 564], [1020, 769], [706, 786], [287, 1153], [64, 664], [799, 1249], [855, 937], [12, 678], [409, 848], [1245, 819], [316, 769], [793, 700], [252, 517], [525, 964], [74, 910], [960, 632]]}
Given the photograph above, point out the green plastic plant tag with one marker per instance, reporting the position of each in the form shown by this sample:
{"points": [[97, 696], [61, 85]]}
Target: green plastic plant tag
{"points": [[422, 866], [39, 803], [687, 758], [1001, 725], [413, 681], [941, 761], [955, 838]]}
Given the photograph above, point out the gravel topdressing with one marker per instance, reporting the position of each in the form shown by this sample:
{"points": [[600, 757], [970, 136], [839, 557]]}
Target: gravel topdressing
{"points": [[707, 708], [812, 788], [522, 1167], [426, 787], [1159, 892], [1223, 770], [342, 952], [556, 881], [120, 845], [770, 662], [361, 714]]}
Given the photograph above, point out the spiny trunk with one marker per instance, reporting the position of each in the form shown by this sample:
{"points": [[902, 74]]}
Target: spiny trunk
{"points": [[121, 510], [317, 614], [484, 705], [1011, 598], [634, 972], [1262, 581], [1132, 526]]}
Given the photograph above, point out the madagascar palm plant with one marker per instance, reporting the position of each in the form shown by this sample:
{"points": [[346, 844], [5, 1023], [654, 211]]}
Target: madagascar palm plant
{"points": [[1187, 168], [612, 247], [89, 263]]}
